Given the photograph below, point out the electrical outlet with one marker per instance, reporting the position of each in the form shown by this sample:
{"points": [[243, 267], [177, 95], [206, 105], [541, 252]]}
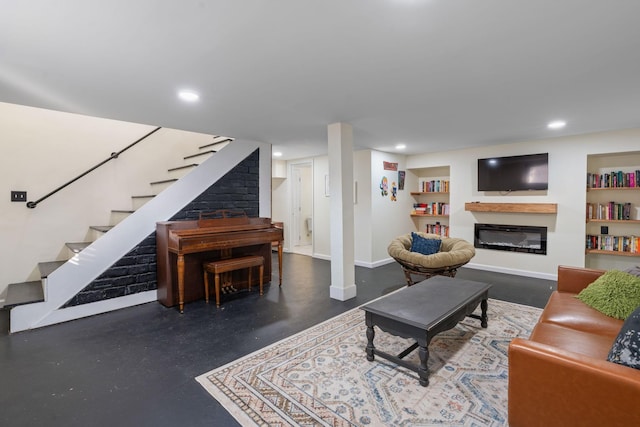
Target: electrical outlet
{"points": [[18, 196]]}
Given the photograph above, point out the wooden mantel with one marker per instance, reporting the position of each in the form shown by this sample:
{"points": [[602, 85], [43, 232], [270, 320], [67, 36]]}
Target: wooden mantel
{"points": [[536, 208]]}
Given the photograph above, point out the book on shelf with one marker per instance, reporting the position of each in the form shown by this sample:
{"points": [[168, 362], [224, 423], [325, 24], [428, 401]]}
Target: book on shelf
{"points": [[434, 186], [614, 179], [434, 208], [437, 228], [609, 211], [606, 242]]}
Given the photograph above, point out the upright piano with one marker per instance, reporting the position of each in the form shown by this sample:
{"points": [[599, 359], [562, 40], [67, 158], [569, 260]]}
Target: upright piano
{"points": [[183, 246]]}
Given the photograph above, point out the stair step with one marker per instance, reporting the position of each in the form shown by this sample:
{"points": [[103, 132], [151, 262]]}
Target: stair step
{"points": [[159, 186], [97, 231], [77, 247], [181, 171], [193, 165], [101, 228], [165, 181], [24, 293], [118, 216], [139, 201], [204, 153], [46, 268], [216, 142]]}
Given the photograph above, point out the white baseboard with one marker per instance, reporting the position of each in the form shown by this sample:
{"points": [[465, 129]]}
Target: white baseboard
{"points": [[375, 263], [525, 273], [321, 256], [356, 262], [85, 310]]}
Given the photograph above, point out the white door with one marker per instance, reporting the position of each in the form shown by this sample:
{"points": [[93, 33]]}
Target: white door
{"points": [[302, 202]]}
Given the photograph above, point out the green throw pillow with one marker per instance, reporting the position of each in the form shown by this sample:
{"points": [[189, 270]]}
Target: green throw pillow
{"points": [[615, 294]]}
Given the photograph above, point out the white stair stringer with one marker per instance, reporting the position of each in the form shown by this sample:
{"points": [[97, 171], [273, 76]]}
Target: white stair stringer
{"points": [[76, 274]]}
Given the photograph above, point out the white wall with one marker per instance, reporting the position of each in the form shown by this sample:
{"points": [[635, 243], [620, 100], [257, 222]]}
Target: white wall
{"points": [[377, 219], [567, 177], [321, 205], [44, 149], [390, 218], [362, 210], [279, 204]]}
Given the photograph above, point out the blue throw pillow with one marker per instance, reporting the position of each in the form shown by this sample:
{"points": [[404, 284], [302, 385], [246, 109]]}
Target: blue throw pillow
{"points": [[423, 245], [626, 347]]}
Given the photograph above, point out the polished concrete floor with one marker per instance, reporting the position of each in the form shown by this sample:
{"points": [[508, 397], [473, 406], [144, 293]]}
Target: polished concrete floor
{"points": [[136, 366]]}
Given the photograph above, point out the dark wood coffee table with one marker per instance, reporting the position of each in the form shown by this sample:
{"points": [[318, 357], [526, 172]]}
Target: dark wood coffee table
{"points": [[420, 312]]}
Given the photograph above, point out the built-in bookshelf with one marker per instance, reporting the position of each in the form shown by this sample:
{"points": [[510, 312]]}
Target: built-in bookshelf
{"points": [[613, 207], [431, 207]]}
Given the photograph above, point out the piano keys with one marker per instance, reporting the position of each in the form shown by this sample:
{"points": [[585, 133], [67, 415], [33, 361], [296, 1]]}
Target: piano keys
{"points": [[182, 247]]}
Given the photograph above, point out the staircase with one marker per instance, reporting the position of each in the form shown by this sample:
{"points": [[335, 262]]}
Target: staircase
{"points": [[35, 293]]}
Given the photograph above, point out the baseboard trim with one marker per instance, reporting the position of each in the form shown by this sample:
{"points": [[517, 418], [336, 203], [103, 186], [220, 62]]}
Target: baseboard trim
{"points": [[375, 264], [525, 273], [85, 310], [358, 263]]}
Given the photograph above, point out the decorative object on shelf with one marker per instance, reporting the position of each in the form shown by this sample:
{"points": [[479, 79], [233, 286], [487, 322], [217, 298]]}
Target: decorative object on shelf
{"points": [[432, 209], [434, 186], [437, 228], [623, 245], [610, 211], [453, 254], [614, 179]]}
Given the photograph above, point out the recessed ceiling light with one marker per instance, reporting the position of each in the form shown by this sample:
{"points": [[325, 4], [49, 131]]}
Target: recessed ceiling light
{"points": [[188, 95], [277, 154], [401, 146], [556, 124]]}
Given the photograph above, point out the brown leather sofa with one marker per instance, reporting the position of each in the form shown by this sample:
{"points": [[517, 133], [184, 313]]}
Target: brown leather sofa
{"points": [[560, 376]]}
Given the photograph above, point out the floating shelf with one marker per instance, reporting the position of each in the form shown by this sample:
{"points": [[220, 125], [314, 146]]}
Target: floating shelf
{"points": [[425, 193], [428, 216], [619, 221], [616, 253], [536, 208], [612, 188]]}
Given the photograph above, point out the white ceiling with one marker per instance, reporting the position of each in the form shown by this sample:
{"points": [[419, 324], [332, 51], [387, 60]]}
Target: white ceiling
{"points": [[434, 74]]}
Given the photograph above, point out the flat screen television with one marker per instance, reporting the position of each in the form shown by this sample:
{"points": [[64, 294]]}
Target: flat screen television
{"points": [[514, 173]]}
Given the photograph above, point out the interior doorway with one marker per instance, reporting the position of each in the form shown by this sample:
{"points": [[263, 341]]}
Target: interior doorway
{"points": [[302, 208]]}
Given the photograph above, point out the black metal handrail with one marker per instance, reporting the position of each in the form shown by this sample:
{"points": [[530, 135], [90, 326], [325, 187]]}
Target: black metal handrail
{"points": [[32, 205]]}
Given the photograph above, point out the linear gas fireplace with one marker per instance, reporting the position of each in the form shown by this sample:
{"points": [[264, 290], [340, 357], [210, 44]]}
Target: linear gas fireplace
{"points": [[514, 238]]}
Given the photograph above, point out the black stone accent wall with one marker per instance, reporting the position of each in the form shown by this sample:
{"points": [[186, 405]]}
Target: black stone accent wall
{"points": [[136, 271]]}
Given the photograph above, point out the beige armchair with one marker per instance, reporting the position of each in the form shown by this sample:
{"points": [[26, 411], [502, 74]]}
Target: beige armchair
{"points": [[453, 254]]}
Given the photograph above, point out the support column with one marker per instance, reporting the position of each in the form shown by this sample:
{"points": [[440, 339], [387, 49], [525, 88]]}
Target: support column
{"points": [[340, 136]]}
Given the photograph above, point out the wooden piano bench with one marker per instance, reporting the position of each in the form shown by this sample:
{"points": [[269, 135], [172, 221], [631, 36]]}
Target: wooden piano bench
{"points": [[225, 265]]}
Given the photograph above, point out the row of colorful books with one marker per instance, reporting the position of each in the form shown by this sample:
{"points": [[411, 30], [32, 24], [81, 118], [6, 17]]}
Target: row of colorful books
{"points": [[617, 179], [437, 228], [606, 242], [434, 208], [434, 186], [610, 211]]}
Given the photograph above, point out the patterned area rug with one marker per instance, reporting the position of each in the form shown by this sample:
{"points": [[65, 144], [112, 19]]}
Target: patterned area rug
{"points": [[321, 376]]}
